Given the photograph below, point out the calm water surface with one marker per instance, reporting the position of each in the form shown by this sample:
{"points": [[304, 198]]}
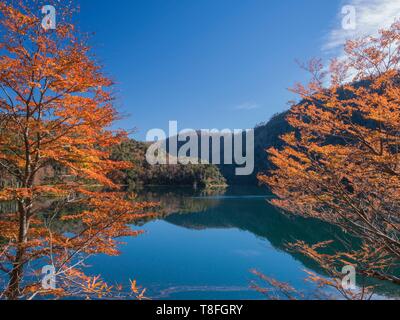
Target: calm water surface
{"points": [[205, 244]]}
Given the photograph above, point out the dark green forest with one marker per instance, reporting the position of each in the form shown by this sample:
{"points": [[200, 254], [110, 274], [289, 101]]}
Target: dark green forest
{"points": [[142, 174], [266, 135]]}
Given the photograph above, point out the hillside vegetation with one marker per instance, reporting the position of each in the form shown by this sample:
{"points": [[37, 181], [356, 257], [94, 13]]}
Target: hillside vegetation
{"points": [[144, 174]]}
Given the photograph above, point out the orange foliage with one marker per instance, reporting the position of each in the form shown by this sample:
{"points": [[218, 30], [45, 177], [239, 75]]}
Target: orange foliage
{"points": [[341, 164], [56, 108]]}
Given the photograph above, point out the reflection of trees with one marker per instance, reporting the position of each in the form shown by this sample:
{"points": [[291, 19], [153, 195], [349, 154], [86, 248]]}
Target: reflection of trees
{"points": [[220, 208], [46, 208], [181, 200], [264, 221], [7, 206], [257, 217]]}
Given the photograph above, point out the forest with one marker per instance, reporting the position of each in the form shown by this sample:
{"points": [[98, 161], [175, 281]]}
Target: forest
{"points": [[74, 188]]}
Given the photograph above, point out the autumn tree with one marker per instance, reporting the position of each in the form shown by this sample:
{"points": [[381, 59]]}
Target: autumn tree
{"points": [[56, 108], [341, 163]]}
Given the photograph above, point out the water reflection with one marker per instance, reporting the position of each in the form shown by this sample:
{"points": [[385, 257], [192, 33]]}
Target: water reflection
{"points": [[247, 209], [204, 242]]}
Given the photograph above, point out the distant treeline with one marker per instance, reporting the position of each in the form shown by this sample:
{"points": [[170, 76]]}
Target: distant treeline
{"points": [[141, 174], [266, 135], [144, 174]]}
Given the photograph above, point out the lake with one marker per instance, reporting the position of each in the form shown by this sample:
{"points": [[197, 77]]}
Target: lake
{"points": [[205, 244]]}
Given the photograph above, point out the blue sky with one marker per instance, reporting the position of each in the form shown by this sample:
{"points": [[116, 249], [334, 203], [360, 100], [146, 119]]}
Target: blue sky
{"points": [[208, 63]]}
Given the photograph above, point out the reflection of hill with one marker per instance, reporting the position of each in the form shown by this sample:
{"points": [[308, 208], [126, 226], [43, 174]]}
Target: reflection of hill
{"points": [[253, 214], [244, 208], [181, 201], [256, 216]]}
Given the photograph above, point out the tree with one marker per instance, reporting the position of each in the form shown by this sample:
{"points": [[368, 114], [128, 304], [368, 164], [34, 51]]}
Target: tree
{"points": [[55, 110], [142, 173], [341, 163]]}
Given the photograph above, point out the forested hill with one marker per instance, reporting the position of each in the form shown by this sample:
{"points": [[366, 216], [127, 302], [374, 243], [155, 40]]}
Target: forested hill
{"points": [[143, 174], [266, 135], [207, 175]]}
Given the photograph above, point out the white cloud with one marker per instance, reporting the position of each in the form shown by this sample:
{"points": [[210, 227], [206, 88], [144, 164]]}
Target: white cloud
{"points": [[247, 106], [371, 15]]}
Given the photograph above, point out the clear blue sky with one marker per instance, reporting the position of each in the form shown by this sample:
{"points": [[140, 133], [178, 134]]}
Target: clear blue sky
{"points": [[205, 63]]}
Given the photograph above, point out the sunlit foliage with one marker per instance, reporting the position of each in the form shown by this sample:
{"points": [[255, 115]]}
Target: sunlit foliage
{"points": [[56, 106], [341, 163]]}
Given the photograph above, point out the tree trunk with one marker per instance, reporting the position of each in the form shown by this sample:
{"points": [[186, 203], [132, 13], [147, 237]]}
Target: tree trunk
{"points": [[13, 289]]}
